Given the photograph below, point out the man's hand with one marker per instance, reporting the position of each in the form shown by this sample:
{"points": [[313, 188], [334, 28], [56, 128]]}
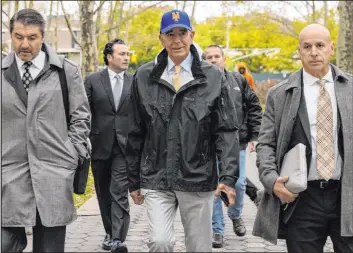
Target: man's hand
{"points": [[137, 197], [252, 146], [227, 190], [282, 192]]}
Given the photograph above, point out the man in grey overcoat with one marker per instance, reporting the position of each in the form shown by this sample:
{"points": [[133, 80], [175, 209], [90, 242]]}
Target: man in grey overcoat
{"points": [[313, 107], [40, 151]]}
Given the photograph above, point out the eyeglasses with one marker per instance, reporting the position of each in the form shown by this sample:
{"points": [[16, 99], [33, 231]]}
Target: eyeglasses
{"points": [[172, 36]]}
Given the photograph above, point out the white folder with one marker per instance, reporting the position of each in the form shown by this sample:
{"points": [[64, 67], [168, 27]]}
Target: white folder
{"points": [[294, 166]]}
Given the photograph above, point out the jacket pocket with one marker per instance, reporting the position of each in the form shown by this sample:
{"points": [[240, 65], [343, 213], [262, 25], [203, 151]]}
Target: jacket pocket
{"points": [[72, 150]]}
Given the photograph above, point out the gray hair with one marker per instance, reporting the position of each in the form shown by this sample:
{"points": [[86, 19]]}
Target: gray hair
{"points": [[28, 17]]}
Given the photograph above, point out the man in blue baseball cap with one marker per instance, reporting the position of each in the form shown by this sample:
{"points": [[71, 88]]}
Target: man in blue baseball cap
{"points": [[181, 120]]}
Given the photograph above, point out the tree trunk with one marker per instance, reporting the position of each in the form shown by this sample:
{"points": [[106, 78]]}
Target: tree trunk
{"points": [[111, 14], [31, 4], [192, 19], [121, 13], [184, 5], [314, 12], [56, 27], [345, 37], [49, 33], [98, 21], [325, 13], [17, 3], [88, 38]]}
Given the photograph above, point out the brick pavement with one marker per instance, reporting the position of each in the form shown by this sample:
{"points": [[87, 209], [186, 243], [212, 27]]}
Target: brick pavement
{"points": [[86, 233]]}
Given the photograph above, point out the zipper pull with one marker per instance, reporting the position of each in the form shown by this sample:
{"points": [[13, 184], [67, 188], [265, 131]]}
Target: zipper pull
{"points": [[222, 101], [173, 100]]}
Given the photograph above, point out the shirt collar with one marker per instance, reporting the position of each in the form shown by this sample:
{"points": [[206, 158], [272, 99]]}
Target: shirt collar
{"points": [[311, 80], [186, 64], [112, 74], [37, 62]]}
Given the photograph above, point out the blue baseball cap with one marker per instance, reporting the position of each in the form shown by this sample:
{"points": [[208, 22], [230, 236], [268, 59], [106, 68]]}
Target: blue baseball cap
{"points": [[173, 19]]}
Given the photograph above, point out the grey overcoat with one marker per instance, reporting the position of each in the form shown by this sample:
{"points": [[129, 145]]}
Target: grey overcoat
{"points": [[276, 130], [39, 153]]}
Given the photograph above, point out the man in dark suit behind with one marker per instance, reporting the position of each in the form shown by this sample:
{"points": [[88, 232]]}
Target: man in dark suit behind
{"points": [[108, 92]]}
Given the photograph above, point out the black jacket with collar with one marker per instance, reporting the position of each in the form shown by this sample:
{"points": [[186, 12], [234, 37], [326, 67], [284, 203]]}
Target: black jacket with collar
{"points": [[174, 138], [248, 108]]}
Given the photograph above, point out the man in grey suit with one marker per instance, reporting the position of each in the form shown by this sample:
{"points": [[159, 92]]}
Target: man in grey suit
{"points": [[313, 107], [108, 93], [40, 151]]}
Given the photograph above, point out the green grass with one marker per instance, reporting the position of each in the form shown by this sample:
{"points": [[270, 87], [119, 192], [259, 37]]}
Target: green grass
{"points": [[79, 200]]}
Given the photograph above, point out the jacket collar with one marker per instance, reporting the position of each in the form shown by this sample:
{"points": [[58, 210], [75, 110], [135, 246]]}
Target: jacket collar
{"points": [[161, 63], [295, 80]]}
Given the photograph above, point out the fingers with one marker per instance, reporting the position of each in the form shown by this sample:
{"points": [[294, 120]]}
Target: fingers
{"points": [[282, 179], [231, 197], [137, 197], [219, 189], [252, 147]]}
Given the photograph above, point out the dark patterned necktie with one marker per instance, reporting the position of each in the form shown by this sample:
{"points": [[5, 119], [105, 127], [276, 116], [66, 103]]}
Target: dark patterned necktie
{"points": [[27, 78], [325, 141]]}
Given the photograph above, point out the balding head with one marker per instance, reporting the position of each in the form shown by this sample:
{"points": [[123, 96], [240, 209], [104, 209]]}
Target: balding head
{"points": [[315, 49], [315, 30]]}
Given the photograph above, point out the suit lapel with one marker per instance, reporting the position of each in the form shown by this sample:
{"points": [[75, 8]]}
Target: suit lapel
{"points": [[290, 113], [107, 86], [126, 88], [304, 118], [12, 75]]}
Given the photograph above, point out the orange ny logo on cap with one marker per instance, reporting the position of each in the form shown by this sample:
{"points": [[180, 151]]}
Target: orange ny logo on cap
{"points": [[175, 16]]}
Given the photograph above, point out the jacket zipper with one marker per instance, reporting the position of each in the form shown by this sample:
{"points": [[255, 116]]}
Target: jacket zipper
{"points": [[225, 116]]}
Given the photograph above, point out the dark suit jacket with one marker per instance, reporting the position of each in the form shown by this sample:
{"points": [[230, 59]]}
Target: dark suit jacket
{"points": [[277, 133], [301, 134], [107, 123]]}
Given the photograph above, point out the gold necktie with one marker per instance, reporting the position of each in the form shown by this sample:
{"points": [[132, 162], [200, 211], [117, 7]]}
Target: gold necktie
{"points": [[177, 78], [324, 142]]}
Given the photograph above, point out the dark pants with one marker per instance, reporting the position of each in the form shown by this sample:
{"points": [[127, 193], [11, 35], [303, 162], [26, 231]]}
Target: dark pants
{"points": [[316, 216], [111, 183], [45, 239], [251, 190]]}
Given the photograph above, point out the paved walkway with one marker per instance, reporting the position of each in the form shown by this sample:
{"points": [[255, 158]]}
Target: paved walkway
{"points": [[86, 233]]}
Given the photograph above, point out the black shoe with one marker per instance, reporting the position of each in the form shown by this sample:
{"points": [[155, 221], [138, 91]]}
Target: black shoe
{"points": [[239, 227], [217, 241], [107, 243], [258, 198], [119, 247]]}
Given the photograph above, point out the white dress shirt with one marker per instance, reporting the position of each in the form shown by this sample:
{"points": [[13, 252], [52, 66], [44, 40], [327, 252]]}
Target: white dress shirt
{"points": [[311, 93], [37, 65], [116, 79], [185, 71]]}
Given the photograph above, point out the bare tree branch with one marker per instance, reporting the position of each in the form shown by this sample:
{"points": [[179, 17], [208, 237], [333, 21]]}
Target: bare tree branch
{"points": [[69, 25], [99, 7], [287, 25], [6, 25], [7, 15], [295, 7], [130, 16]]}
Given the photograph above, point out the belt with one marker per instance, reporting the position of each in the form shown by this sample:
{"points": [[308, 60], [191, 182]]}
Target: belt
{"points": [[323, 184]]}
